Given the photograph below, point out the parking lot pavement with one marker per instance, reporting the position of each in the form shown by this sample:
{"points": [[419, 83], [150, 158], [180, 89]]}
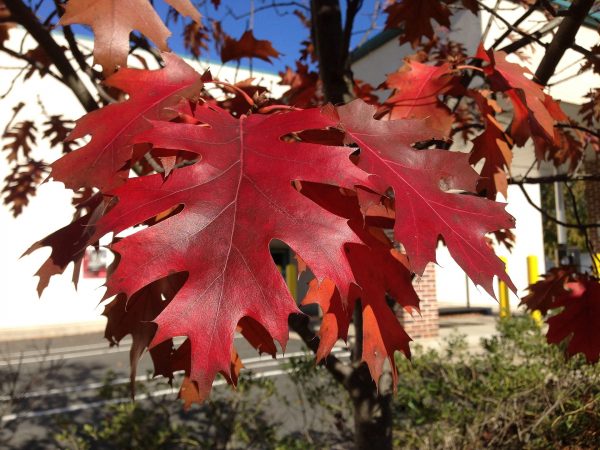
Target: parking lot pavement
{"points": [[63, 375]]}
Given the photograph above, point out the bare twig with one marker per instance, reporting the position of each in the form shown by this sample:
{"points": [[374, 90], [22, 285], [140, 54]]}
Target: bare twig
{"points": [[578, 127], [552, 218]]}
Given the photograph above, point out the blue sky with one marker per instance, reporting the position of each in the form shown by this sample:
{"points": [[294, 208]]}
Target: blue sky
{"points": [[278, 25]]}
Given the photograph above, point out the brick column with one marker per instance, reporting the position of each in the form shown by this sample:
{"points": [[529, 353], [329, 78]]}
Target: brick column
{"points": [[426, 324]]}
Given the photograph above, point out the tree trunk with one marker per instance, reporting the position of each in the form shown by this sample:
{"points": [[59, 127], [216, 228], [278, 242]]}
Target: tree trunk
{"points": [[328, 38], [372, 409]]}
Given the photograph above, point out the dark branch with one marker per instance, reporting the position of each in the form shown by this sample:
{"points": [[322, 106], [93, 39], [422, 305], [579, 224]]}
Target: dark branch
{"points": [[551, 217], [329, 44], [518, 22], [340, 371], [563, 40], [554, 179], [24, 16], [578, 127]]}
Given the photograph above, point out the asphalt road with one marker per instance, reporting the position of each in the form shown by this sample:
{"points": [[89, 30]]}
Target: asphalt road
{"points": [[42, 379]]}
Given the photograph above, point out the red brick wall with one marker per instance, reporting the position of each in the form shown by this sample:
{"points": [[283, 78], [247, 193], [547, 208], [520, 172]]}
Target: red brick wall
{"points": [[427, 323]]}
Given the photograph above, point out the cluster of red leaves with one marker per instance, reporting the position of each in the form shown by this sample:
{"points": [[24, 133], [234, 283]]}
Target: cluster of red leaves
{"points": [[414, 17], [25, 171], [574, 303], [422, 91], [239, 171], [282, 174]]}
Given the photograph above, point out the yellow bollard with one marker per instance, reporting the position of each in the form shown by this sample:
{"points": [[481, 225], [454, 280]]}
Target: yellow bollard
{"points": [[596, 263], [503, 296], [291, 278], [533, 275]]}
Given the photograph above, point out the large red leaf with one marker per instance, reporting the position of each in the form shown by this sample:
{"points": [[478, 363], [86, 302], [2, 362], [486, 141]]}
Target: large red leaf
{"points": [[113, 20], [420, 180], [237, 199], [579, 321], [102, 162]]}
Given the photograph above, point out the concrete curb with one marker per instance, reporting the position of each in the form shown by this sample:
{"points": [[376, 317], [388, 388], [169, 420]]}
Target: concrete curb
{"points": [[52, 331]]}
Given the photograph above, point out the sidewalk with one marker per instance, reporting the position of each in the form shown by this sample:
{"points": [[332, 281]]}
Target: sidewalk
{"points": [[474, 326]]}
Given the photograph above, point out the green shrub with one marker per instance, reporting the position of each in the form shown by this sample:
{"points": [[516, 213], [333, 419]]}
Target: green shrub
{"points": [[516, 393]]}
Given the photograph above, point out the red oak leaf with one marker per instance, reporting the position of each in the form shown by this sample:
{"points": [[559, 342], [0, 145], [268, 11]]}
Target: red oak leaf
{"points": [[590, 110], [102, 163], [133, 317], [493, 146], [23, 136], [415, 16], [21, 184], [247, 47], [379, 270], [579, 321], [420, 179], [195, 36], [543, 294], [68, 244], [113, 20], [531, 110], [237, 199], [417, 88], [304, 87]]}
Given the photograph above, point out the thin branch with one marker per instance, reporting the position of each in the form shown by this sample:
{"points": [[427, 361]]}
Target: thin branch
{"points": [[490, 21], [11, 86], [273, 4], [33, 62], [578, 127], [525, 40], [552, 218], [23, 15], [142, 42], [518, 22], [373, 25], [554, 179], [340, 371], [509, 25]]}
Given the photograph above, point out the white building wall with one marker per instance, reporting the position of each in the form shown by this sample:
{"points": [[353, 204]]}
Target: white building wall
{"points": [[467, 28], [60, 304]]}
